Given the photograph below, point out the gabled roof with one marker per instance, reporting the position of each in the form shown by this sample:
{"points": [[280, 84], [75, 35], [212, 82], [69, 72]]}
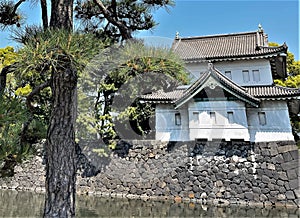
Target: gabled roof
{"points": [[250, 94], [220, 80], [248, 45]]}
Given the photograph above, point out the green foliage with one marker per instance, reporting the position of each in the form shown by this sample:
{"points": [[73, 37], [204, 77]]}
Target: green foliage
{"points": [[136, 60], [43, 52], [7, 56], [135, 14], [12, 116], [291, 81], [9, 14]]}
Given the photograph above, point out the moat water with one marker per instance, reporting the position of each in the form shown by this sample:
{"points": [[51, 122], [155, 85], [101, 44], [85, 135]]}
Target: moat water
{"points": [[27, 204]]}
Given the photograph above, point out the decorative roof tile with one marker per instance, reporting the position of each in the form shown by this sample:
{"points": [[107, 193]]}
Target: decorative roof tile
{"points": [[163, 96], [225, 46], [272, 91]]}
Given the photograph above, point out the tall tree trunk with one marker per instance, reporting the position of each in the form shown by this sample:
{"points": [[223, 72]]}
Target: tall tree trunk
{"points": [[60, 145], [44, 13], [62, 14]]}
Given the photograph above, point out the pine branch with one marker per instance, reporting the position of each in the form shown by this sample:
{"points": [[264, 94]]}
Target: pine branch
{"points": [[124, 30]]}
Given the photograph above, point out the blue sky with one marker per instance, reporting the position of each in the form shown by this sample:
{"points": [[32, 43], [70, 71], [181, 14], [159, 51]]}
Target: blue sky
{"points": [[280, 20]]}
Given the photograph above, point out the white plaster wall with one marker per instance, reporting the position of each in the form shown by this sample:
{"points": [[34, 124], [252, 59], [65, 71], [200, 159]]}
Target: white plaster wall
{"points": [[204, 128], [236, 68], [278, 126], [166, 129]]}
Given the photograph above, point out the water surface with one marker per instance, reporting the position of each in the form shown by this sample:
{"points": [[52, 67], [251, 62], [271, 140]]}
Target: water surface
{"points": [[27, 204]]}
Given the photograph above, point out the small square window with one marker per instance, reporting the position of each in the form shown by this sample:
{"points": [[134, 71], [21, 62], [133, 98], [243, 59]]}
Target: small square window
{"points": [[177, 119], [213, 117], [256, 75], [196, 117], [246, 76], [230, 117], [228, 74], [262, 118]]}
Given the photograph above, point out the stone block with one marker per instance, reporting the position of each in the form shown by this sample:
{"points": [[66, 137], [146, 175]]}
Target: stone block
{"points": [[265, 190], [290, 165], [295, 154], [260, 172], [263, 165], [294, 184], [274, 193], [278, 159], [283, 176], [265, 179], [265, 152], [280, 182], [273, 151], [290, 195], [219, 183], [272, 187], [292, 174], [221, 175], [287, 186], [287, 156], [271, 166], [282, 189], [263, 197], [286, 148], [256, 190], [281, 197], [268, 173]]}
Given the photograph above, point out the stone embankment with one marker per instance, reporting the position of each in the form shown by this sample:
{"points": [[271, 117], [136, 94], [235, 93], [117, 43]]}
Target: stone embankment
{"points": [[261, 174]]}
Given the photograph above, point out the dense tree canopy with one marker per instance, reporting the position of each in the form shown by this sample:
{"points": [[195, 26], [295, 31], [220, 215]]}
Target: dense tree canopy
{"points": [[50, 61]]}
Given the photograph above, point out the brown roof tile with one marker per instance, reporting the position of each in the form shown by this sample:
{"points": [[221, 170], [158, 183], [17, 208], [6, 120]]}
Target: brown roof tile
{"points": [[238, 45]]}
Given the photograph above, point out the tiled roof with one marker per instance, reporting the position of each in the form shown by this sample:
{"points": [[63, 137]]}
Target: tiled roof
{"points": [[162, 96], [226, 46], [272, 91], [250, 94]]}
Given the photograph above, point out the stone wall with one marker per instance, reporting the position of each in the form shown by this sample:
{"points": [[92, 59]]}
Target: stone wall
{"points": [[262, 174]]}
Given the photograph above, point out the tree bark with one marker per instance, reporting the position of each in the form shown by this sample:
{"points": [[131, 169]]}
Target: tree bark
{"points": [[44, 13], [60, 145], [62, 14]]}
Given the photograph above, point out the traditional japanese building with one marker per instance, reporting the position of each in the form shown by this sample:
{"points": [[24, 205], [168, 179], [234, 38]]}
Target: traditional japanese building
{"points": [[232, 95]]}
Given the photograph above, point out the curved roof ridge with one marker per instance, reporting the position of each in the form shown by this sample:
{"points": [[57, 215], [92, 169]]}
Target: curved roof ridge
{"points": [[216, 35]]}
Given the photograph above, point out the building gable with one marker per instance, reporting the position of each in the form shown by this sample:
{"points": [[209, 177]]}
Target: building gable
{"points": [[212, 79]]}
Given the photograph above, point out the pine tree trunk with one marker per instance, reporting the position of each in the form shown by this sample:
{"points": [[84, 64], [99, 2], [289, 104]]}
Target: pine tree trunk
{"points": [[60, 145], [61, 14]]}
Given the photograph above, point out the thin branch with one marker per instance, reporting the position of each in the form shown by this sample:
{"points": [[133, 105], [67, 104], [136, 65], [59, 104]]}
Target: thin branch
{"points": [[124, 30], [29, 99], [36, 91], [6, 70], [17, 5]]}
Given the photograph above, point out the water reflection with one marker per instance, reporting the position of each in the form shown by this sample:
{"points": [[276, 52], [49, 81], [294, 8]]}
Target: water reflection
{"points": [[25, 204]]}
